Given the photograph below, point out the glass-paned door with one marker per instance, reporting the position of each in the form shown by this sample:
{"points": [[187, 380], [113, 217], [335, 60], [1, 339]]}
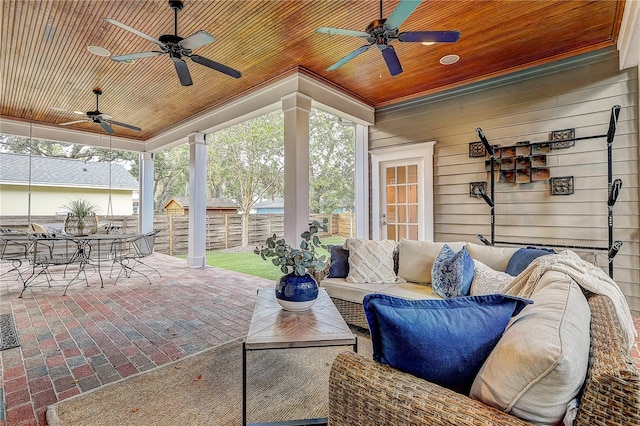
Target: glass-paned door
{"points": [[401, 201], [402, 192]]}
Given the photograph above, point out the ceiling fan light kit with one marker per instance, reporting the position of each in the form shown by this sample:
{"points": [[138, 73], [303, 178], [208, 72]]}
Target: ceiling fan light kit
{"points": [[382, 32], [177, 48]]}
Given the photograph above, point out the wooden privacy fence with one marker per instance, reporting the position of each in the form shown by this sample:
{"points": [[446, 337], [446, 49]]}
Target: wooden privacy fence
{"points": [[222, 231]]}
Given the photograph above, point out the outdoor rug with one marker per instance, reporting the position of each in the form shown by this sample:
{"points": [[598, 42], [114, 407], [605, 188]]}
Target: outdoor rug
{"points": [[8, 333], [206, 389]]}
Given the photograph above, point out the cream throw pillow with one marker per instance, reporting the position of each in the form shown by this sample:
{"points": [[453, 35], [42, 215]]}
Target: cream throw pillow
{"points": [[540, 362], [371, 261], [496, 258], [487, 280], [416, 259]]}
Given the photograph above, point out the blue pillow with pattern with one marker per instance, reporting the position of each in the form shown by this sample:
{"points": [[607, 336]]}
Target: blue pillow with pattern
{"points": [[444, 341], [452, 273]]}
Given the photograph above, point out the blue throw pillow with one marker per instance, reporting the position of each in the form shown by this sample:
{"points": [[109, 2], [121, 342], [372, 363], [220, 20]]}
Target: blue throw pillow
{"points": [[523, 257], [443, 341], [339, 266], [452, 273]]}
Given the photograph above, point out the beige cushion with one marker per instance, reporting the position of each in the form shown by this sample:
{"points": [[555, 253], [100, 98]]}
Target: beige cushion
{"points": [[540, 362], [494, 257], [416, 258], [339, 288], [371, 261], [487, 280]]}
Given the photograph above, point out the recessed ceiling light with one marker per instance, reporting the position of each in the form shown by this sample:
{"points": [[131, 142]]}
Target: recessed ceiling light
{"points": [[78, 112], [428, 43], [100, 51], [58, 109], [449, 59]]}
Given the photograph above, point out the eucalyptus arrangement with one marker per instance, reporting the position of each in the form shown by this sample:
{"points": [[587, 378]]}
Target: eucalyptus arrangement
{"points": [[296, 261]]}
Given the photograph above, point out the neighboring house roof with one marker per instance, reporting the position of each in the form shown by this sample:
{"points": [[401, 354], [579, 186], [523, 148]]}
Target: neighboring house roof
{"points": [[212, 203], [276, 203], [52, 171]]}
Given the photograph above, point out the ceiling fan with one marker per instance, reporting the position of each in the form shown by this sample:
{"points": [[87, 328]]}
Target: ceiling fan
{"points": [[382, 32], [177, 48], [103, 120]]}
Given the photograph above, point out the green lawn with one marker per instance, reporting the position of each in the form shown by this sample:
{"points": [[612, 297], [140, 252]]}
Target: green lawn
{"points": [[252, 264]]}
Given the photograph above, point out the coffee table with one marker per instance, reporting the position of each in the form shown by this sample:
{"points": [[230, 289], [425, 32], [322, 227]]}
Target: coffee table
{"points": [[274, 328]]}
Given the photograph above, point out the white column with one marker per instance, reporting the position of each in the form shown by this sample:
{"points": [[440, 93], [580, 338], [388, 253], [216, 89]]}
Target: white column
{"points": [[145, 200], [296, 107], [196, 256], [361, 186]]}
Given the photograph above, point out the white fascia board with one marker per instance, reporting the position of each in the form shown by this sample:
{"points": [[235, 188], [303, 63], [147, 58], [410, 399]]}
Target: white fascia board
{"points": [[334, 101], [262, 101], [629, 36], [65, 134], [66, 185]]}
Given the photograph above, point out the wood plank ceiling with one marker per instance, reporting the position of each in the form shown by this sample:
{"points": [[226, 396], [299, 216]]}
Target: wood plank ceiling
{"points": [[45, 62]]}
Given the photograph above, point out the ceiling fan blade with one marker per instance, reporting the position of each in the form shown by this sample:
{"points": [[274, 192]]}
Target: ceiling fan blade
{"points": [[392, 61], [105, 126], [73, 122], [216, 66], [132, 30], [183, 72], [349, 57], [128, 126], [341, 31], [196, 40], [430, 36], [401, 12], [132, 56]]}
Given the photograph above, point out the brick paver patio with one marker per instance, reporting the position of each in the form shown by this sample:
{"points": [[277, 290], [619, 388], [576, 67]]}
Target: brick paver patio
{"points": [[94, 336]]}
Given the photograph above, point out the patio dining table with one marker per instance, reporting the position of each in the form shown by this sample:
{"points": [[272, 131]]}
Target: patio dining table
{"points": [[42, 251]]}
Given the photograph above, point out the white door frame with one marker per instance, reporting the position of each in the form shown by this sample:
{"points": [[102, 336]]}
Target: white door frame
{"points": [[422, 153]]}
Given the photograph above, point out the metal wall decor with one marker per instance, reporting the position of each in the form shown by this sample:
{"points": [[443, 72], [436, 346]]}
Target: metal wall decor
{"points": [[562, 185], [477, 149], [563, 138], [475, 188]]}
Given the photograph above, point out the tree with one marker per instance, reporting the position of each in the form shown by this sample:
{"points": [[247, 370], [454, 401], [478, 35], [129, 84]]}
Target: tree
{"points": [[246, 162], [44, 148], [332, 158], [171, 175]]}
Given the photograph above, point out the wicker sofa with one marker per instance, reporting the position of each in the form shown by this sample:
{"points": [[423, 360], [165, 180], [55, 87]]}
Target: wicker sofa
{"points": [[347, 297], [364, 392]]}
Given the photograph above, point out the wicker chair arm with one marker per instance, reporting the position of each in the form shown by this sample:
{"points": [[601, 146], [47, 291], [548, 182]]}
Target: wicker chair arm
{"points": [[362, 391]]}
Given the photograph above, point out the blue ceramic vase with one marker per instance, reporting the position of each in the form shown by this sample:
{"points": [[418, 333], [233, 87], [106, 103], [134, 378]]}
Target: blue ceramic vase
{"points": [[296, 293]]}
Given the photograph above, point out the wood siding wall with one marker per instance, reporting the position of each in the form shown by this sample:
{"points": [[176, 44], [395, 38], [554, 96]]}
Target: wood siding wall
{"points": [[579, 95]]}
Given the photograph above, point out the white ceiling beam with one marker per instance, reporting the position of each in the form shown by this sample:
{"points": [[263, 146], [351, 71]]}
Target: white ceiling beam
{"points": [[629, 36], [65, 134]]}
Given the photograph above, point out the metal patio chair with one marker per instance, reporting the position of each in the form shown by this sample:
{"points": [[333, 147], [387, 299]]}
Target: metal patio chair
{"points": [[49, 251], [129, 254], [14, 249]]}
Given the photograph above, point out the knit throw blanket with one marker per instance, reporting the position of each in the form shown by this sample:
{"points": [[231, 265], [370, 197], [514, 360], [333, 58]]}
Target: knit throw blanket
{"points": [[588, 276]]}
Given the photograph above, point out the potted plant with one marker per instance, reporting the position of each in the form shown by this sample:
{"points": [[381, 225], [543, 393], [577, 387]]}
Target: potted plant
{"points": [[81, 217], [297, 289]]}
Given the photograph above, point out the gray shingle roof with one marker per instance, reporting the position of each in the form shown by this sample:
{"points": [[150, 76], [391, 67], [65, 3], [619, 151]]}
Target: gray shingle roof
{"points": [[276, 203], [14, 169], [217, 203]]}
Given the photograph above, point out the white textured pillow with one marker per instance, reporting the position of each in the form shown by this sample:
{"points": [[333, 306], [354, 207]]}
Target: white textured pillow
{"points": [[416, 258], [540, 362], [487, 280], [371, 261]]}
